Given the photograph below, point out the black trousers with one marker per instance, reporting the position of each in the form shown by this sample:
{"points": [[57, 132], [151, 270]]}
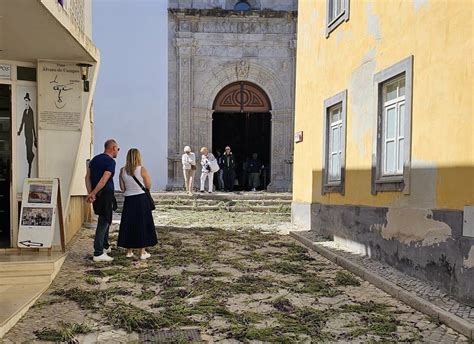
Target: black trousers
{"points": [[229, 177]]}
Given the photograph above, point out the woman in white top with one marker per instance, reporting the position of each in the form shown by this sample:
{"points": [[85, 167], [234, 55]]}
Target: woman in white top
{"points": [[206, 172], [189, 168], [137, 229]]}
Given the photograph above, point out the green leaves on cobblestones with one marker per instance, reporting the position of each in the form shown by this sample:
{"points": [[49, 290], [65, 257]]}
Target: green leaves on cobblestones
{"points": [[346, 278], [65, 333]]}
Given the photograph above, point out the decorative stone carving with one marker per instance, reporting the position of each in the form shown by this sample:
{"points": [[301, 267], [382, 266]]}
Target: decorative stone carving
{"points": [[242, 69]]}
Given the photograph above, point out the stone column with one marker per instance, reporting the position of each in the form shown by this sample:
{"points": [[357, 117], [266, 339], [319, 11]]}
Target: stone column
{"points": [[184, 48]]}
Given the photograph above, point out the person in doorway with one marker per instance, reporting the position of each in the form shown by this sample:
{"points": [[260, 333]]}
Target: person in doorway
{"points": [[228, 166], [254, 169], [100, 189], [206, 172], [137, 229], [220, 173], [189, 169], [28, 123]]}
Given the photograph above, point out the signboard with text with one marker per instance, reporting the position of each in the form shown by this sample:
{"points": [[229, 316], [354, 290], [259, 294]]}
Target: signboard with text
{"points": [[60, 96], [5, 71], [38, 213]]}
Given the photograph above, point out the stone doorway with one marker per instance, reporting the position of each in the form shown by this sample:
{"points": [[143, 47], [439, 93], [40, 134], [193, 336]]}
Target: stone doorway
{"points": [[242, 120], [246, 133]]}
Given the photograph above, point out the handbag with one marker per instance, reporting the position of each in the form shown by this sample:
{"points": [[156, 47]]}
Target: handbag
{"points": [[193, 167], [147, 193], [214, 165]]}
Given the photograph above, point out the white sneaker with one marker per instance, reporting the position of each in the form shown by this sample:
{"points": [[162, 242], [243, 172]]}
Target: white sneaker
{"points": [[254, 190], [108, 250], [104, 257], [129, 255], [144, 256]]}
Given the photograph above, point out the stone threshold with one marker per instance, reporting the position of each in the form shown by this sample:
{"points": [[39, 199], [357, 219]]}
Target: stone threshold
{"points": [[464, 324]]}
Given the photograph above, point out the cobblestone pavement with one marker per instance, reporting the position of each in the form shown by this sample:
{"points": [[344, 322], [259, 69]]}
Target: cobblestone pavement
{"points": [[422, 289], [234, 285]]}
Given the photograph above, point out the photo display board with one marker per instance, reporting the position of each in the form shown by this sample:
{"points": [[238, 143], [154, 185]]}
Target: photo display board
{"points": [[39, 209]]}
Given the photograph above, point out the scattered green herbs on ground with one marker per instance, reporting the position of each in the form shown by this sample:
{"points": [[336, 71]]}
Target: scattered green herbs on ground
{"points": [[222, 273]]}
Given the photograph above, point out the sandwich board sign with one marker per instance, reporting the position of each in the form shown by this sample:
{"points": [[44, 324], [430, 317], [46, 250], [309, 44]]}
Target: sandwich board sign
{"points": [[40, 207]]}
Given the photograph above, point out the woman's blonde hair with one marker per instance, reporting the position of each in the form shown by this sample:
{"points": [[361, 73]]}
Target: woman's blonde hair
{"points": [[134, 159], [203, 149]]}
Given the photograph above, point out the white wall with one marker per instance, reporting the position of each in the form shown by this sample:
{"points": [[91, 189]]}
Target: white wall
{"points": [[130, 102]]}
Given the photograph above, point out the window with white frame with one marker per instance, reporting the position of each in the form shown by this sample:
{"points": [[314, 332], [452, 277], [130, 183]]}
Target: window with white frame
{"points": [[337, 12], [393, 137], [392, 149], [334, 143], [336, 9]]}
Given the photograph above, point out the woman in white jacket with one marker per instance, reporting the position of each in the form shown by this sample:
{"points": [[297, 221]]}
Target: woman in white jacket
{"points": [[206, 172], [189, 168]]}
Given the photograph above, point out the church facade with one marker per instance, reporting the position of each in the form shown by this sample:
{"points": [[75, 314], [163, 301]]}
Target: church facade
{"points": [[231, 74]]}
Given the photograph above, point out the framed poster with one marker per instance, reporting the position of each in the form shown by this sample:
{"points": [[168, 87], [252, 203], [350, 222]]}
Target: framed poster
{"points": [[38, 213]]}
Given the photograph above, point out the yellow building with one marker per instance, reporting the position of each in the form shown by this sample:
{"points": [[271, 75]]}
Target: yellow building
{"points": [[384, 93]]}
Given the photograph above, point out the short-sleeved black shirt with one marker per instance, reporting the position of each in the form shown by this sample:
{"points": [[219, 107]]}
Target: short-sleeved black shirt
{"points": [[98, 165]]}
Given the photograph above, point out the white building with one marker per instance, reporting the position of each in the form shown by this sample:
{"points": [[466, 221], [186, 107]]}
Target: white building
{"points": [[45, 109]]}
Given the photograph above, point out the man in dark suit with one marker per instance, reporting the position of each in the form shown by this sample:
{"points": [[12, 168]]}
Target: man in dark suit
{"points": [[28, 122]]}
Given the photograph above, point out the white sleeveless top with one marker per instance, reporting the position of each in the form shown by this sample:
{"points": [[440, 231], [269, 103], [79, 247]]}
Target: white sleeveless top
{"points": [[131, 186]]}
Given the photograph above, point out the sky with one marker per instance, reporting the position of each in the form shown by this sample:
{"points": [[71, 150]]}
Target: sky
{"points": [[131, 98]]}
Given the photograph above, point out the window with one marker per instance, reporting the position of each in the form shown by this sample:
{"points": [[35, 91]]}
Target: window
{"points": [[337, 12], [242, 6], [335, 129], [334, 143], [392, 151], [26, 73], [393, 129]]}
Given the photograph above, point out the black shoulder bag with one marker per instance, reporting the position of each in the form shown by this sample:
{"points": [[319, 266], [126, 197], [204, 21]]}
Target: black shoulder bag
{"points": [[147, 193]]}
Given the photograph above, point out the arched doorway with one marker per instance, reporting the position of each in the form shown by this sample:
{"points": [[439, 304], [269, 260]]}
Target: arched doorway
{"points": [[242, 120]]}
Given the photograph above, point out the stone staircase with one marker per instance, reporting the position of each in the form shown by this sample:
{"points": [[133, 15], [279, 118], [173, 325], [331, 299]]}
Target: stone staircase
{"points": [[23, 278], [261, 202]]}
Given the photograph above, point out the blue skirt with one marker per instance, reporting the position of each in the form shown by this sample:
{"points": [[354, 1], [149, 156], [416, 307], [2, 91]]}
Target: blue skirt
{"points": [[137, 229]]}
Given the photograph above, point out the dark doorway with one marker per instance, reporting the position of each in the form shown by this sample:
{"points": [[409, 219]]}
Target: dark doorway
{"points": [[246, 133], [242, 120], [5, 164]]}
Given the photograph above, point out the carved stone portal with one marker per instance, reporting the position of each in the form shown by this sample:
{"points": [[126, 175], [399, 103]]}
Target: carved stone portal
{"points": [[226, 65]]}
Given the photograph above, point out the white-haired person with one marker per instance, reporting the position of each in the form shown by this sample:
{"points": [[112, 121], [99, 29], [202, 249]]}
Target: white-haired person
{"points": [[189, 168], [206, 172]]}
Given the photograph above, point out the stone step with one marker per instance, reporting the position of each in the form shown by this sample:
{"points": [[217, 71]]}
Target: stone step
{"points": [[15, 267], [206, 202], [218, 196], [16, 300], [26, 277], [241, 209]]}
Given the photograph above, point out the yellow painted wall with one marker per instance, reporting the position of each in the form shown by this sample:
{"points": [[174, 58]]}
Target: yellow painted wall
{"points": [[378, 35]]}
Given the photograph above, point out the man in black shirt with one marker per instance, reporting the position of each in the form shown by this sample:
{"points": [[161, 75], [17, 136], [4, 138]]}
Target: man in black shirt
{"points": [[100, 188], [228, 165]]}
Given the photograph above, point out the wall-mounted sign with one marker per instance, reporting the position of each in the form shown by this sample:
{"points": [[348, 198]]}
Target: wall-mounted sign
{"points": [[5, 71], [40, 205], [60, 96], [298, 136]]}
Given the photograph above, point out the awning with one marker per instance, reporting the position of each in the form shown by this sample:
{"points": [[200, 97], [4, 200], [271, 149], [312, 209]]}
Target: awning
{"points": [[41, 29]]}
